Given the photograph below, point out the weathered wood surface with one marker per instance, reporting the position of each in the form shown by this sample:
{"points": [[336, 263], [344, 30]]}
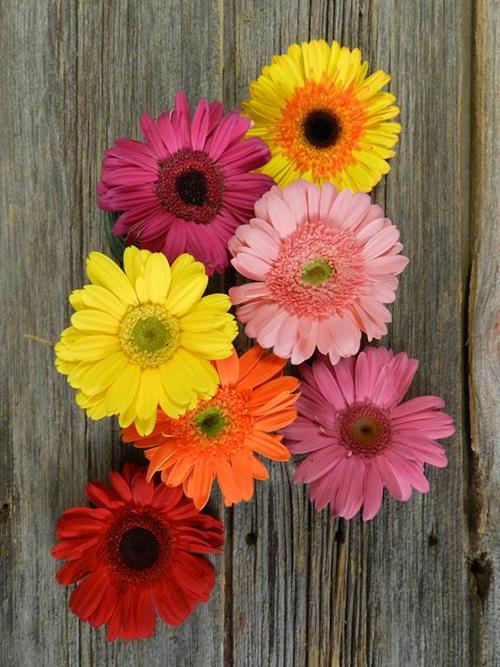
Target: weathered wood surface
{"points": [[417, 585]]}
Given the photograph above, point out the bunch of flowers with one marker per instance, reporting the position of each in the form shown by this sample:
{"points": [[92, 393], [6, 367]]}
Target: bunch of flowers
{"points": [[281, 194]]}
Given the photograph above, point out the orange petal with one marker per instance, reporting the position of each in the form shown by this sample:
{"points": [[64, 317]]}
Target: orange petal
{"points": [[227, 483], [267, 445], [270, 390], [228, 369], [242, 475], [259, 470], [266, 368], [275, 421], [249, 360], [160, 457], [200, 483], [179, 471]]}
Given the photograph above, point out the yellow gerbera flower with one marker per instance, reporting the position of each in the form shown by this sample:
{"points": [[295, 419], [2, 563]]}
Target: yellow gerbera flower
{"points": [[144, 337], [322, 118]]}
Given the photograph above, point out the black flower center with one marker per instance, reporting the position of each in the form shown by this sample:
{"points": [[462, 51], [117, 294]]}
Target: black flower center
{"points": [[322, 128], [192, 187], [139, 549]]}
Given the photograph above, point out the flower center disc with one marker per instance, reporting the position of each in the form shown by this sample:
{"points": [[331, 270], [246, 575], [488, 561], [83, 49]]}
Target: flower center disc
{"points": [[210, 422], [149, 335], [364, 429], [191, 186], [316, 272], [321, 128], [139, 549]]}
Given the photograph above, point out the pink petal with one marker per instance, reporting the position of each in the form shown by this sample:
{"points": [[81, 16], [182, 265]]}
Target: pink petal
{"points": [[318, 464], [281, 217], [248, 292], [374, 491], [199, 125], [324, 378], [395, 483], [417, 405], [421, 449], [152, 135], [344, 374], [251, 267], [411, 470]]}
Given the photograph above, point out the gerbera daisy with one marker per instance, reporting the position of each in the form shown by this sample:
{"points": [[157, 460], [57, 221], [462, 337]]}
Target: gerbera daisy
{"points": [[324, 262], [323, 118], [361, 436], [144, 337], [136, 554], [189, 185], [219, 439]]}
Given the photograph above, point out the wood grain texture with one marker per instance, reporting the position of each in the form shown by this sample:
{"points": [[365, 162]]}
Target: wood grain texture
{"points": [[417, 585]]}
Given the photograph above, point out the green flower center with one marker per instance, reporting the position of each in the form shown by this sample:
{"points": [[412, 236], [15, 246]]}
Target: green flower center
{"points": [[365, 430], [149, 335], [316, 272], [210, 422]]}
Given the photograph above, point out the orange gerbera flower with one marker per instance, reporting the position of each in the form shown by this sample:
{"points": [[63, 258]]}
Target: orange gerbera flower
{"points": [[219, 439]]}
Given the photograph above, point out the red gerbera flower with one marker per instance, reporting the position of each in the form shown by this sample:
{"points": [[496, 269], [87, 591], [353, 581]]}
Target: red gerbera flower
{"points": [[136, 554]]}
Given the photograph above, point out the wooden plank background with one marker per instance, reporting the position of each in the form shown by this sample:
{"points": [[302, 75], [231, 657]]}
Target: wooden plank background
{"points": [[417, 585]]}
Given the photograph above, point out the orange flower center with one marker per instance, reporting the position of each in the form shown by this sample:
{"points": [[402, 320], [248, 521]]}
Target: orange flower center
{"points": [[320, 127]]}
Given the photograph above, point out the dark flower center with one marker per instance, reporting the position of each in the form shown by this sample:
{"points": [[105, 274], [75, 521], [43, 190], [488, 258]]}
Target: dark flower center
{"points": [[139, 549], [192, 187], [210, 422], [322, 128], [364, 429]]}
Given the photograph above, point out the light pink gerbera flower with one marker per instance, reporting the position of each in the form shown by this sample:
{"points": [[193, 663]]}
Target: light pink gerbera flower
{"points": [[189, 185], [360, 436], [325, 263]]}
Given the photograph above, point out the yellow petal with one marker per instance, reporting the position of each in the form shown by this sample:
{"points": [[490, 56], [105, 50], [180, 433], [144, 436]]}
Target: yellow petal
{"points": [[149, 394], [157, 276], [134, 261], [189, 281], [99, 298], [101, 270], [175, 384], [123, 390], [95, 321], [99, 376], [210, 345], [91, 347]]}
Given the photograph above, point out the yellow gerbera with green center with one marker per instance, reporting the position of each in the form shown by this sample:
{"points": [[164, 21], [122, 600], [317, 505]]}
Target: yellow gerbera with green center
{"points": [[144, 337], [323, 118]]}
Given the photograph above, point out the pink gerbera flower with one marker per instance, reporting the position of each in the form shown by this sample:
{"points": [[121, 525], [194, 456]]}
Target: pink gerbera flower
{"points": [[189, 185], [325, 263], [360, 436]]}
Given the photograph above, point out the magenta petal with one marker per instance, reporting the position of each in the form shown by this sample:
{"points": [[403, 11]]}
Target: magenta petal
{"points": [[374, 491]]}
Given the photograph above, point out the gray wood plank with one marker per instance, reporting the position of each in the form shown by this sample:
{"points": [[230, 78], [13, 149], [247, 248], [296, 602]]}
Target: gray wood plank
{"points": [[484, 329], [78, 75]]}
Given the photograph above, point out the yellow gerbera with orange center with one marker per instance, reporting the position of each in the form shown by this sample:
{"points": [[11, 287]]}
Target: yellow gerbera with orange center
{"points": [[144, 337], [219, 439], [323, 118]]}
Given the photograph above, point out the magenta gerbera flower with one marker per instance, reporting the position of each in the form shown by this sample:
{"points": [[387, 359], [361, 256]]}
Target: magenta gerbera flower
{"points": [[360, 436], [324, 263], [189, 185]]}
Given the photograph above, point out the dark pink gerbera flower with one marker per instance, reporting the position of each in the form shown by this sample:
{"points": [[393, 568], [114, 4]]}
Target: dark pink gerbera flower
{"points": [[189, 185], [361, 436]]}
